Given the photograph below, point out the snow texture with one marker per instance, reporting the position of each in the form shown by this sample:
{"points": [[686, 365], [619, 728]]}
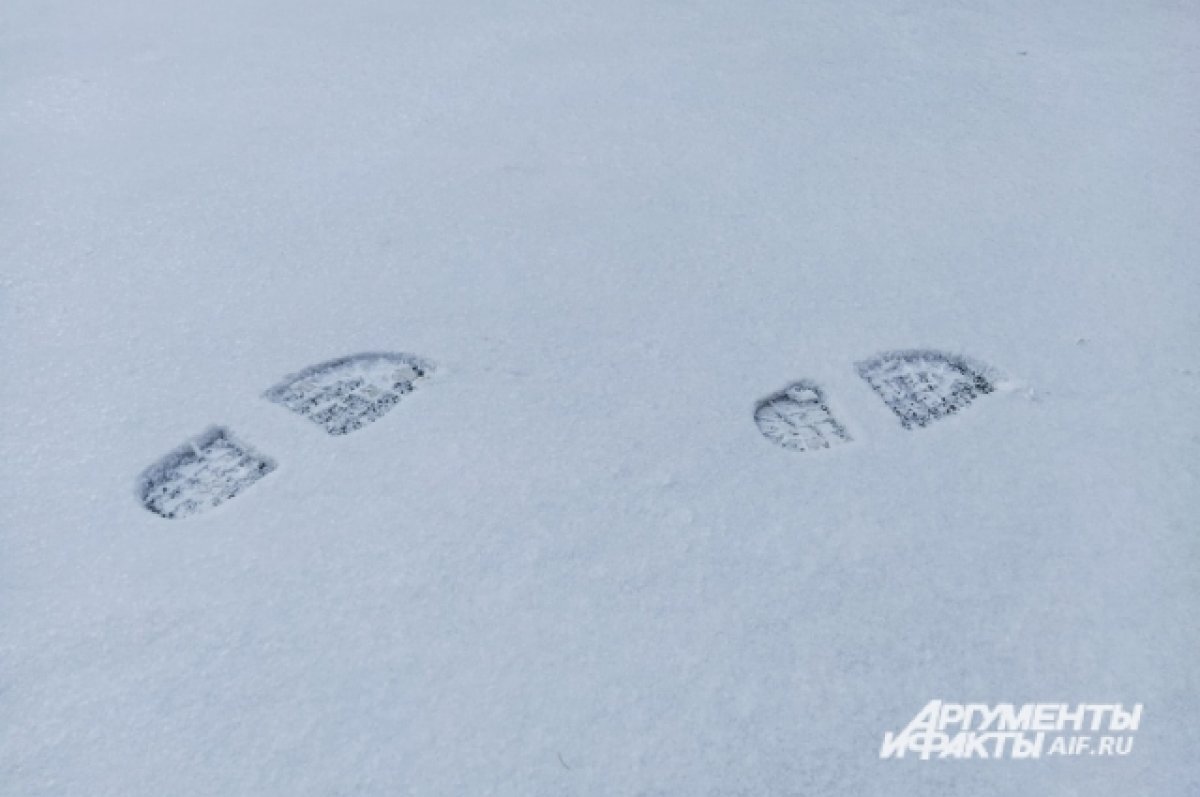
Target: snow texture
{"points": [[348, 393], [797, 418], [923, 386], [569, 563], [201, 474]]}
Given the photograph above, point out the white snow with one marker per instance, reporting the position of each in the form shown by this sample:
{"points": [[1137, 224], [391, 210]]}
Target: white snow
{"points": [[569, 563]]}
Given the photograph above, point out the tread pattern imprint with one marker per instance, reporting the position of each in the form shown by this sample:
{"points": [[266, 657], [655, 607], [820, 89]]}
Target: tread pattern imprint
{"points": [[346, 394], [203, 473], [797, 418], [921, 386]]}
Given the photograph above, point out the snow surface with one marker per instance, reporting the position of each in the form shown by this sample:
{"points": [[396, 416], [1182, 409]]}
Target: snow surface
{"points": [[570, 564]]}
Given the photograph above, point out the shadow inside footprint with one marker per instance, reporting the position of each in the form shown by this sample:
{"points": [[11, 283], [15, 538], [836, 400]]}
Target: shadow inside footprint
{"points": [[348, 393], [921, 386], [201, 474], [798, 419]]}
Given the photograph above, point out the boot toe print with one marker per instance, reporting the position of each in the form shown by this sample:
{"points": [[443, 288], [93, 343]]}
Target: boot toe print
{"points": [[921, 386], [346, 394]]}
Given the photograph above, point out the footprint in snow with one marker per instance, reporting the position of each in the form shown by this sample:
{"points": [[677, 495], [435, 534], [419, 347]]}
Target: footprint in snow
{"points": [[920, 386], [346, 394], [340, 396], [203, 473], [797, 418]]}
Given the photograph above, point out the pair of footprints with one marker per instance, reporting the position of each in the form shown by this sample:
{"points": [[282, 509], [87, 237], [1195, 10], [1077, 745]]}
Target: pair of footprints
{"points": [[340, 396], [344, 395], [919, 386]]}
